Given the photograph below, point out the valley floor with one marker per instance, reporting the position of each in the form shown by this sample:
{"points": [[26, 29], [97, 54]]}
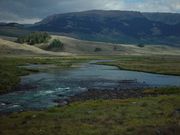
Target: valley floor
{"points": [[11, 70], [153, 111], [150, 112]]}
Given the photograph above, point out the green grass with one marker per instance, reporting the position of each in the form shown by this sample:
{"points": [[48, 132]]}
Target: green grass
{"points": [[153, 64], [163, 90], [148, 115]]}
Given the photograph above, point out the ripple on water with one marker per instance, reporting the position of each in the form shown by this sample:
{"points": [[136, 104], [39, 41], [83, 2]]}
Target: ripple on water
{"points": [[41, 93]]}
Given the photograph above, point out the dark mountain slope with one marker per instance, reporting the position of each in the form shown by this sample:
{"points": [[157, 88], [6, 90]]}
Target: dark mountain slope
{"points": [[167, 18], [116, 26], [13, 29], [107, 26]]}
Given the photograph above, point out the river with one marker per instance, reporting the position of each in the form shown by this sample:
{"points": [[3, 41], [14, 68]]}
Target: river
{"points": [[39, 91]]}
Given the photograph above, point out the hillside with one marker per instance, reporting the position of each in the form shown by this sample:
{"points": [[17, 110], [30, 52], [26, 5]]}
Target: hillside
{"points": [[167, 18], [125, 27], [11, 48], [115, 26], [81, 47]]}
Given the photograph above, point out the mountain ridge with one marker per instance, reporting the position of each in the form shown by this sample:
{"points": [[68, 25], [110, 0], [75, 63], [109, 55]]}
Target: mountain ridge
{"points": [[115, 26], [155, 15], [126, 27]]}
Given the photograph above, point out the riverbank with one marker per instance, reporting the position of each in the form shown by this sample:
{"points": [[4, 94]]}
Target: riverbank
{"points": [[152, 115], [94, 94], [158, 64], [11, 68], [131, 112], [10, 72]]}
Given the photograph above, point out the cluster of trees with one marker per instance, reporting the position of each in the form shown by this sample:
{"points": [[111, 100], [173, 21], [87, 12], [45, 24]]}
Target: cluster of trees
{"points": [[34, 38], [97, 49], [56, 44], [140, 45]]}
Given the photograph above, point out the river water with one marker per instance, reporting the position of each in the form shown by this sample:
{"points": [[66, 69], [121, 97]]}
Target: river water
{"points": [[39, 91]]}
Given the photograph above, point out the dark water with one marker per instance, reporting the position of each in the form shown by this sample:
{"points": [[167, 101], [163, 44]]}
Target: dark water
{"points": [[38, 91]]}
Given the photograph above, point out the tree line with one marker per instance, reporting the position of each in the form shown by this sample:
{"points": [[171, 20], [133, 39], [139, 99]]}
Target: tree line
{"points": [[34, 38]]}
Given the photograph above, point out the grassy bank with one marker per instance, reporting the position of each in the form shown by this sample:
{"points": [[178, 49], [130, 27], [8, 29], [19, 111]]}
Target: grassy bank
{"points": [[160, 64], [162, 91], [134, 116], [10, 71]]}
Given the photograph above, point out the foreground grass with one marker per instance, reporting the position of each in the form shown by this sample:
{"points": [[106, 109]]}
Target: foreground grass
{"points": [[148, 115], [10, 70], [153, 64]]}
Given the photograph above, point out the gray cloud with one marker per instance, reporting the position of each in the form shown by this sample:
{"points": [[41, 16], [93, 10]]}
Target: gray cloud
{"points": [[30, 11]]}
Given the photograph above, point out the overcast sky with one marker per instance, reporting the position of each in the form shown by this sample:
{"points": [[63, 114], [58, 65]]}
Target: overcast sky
{"points": [[30, 11]]}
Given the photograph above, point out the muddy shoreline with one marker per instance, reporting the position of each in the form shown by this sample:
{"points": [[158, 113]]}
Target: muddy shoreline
{"points": [[106, 94], [94, 94]]}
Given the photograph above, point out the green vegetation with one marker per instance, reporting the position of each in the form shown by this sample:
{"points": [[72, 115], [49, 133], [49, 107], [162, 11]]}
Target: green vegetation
{"points": [[115, 48], [97, 49], [164, 91], [161, 64], [56, 44], [148, 115], [9, 73], [141, 45], [34, 38]]}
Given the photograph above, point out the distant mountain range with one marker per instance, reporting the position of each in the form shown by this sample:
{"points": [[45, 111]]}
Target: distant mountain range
{"points": [[13, 29], [115, 26]]}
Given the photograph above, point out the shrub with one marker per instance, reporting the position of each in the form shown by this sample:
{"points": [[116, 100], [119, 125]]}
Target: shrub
{"points": [[97, 49], [140, 45], [34, 38], [56, 44], [115, 48]]}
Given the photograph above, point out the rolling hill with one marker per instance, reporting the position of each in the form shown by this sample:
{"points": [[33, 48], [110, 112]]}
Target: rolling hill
{"points": [[75, 46], [8, 47], [80, 47]]}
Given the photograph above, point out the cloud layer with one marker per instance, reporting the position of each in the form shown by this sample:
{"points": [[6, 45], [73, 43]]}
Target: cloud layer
{"points": [[30, 11]]}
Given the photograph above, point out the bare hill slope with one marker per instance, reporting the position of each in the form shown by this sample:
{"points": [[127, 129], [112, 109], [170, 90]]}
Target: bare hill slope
{"points": [[76, 46], [79, 47], [12, 48]]}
